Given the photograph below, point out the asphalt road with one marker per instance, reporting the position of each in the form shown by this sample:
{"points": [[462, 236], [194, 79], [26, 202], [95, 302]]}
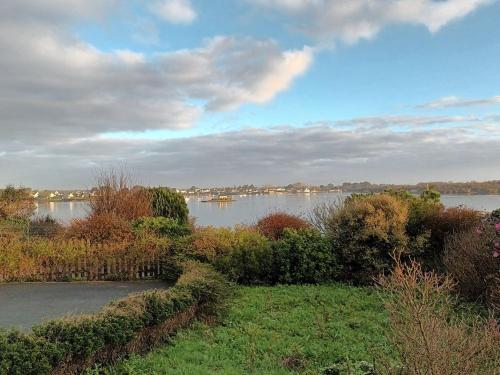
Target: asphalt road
{"points": [[23, 305]]}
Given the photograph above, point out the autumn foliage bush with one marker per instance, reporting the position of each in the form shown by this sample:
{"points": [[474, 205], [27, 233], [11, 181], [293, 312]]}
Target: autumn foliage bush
{"points": [[115, 196], [273, 225], [101, 228], [16, 203]]}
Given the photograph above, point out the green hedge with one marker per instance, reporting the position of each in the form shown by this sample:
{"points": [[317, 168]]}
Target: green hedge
{"points": [[304, 256], [162, 226], [301, 256], [133, 324]]}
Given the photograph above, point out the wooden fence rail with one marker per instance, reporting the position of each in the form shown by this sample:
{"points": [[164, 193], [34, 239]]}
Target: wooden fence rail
{"points": [[86, 268]]}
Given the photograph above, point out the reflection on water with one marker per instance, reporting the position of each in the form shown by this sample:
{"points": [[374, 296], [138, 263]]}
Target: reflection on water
{"points": [[247, 209], [62, 211]]}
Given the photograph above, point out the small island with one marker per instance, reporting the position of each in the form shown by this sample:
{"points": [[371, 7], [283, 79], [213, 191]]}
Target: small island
{"points": [[219, 199]]}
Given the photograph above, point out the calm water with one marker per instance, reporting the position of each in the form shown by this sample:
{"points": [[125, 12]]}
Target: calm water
{"points": [[246, 210]]}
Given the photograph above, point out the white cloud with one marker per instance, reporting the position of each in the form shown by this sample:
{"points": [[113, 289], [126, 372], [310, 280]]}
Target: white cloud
{"points": [[54, 83], [130, 57], [407, 121], [352, 20], [174, 11], [455, 101]]}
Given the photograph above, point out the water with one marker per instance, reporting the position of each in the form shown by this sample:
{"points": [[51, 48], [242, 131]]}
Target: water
{"points": [[246, 210]]}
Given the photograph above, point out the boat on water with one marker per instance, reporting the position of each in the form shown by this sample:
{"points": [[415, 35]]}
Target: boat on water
{"points": [[219, 199]]}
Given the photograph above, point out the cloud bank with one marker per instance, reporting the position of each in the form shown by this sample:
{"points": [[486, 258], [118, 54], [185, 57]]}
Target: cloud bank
{"points": [[319, 152], [55, 84], [349, 21]]}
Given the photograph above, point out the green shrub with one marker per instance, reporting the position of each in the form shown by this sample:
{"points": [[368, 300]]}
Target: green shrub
{"points": [[162, 226], [420, 210], [22, 354], [70, 344], [168, 203], [304, 256], [242, 254], [249, 260], [366, 230]]}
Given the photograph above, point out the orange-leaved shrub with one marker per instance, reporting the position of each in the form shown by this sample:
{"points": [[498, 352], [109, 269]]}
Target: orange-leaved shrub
{"points": [[274, 224], [101, 228], [115, 195], [427, 331]]}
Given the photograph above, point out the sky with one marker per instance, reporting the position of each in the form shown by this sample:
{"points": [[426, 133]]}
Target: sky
{"points": [[230, 92]]}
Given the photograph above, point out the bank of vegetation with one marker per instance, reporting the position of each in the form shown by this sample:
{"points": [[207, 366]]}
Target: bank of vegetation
{"points": [[436, 260]]}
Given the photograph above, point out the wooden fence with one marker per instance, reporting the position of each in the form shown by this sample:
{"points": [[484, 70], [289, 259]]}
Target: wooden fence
{"points": [[88, 268]]}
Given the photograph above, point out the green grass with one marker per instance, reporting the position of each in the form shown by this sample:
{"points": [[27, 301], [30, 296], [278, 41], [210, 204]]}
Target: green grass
{"points": [[313, 326]]}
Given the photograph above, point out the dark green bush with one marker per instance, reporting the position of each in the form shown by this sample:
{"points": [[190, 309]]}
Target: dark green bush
{"points": [[22, 354], [168, 203], [162, 226], [76, 341], [304, 256], [44, 227], [249, 259]]}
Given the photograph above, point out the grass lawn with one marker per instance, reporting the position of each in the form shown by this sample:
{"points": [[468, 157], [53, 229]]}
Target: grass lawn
{"points": [[276, 330]]}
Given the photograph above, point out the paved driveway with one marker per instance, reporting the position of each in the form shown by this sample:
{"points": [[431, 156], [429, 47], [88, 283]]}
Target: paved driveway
{"points": [[23, 305]]}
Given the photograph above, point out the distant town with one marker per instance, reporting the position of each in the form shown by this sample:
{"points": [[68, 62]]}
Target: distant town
{"points": [[459, 188]]}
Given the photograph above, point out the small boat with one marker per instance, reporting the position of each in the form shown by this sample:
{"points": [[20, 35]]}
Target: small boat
{"points": [[219, 199]]}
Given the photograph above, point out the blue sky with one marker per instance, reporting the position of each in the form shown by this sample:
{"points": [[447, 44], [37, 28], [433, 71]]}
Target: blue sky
{"points": [[298, 89], [402, 67]]}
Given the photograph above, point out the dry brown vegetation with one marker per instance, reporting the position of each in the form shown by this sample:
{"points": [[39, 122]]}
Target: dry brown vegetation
{"points": [[429, 336], [468, 259], [114, 204], [115, 194]]}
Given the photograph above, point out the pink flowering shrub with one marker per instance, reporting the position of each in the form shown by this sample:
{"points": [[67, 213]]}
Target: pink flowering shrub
{"points": [[472, 258]]}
